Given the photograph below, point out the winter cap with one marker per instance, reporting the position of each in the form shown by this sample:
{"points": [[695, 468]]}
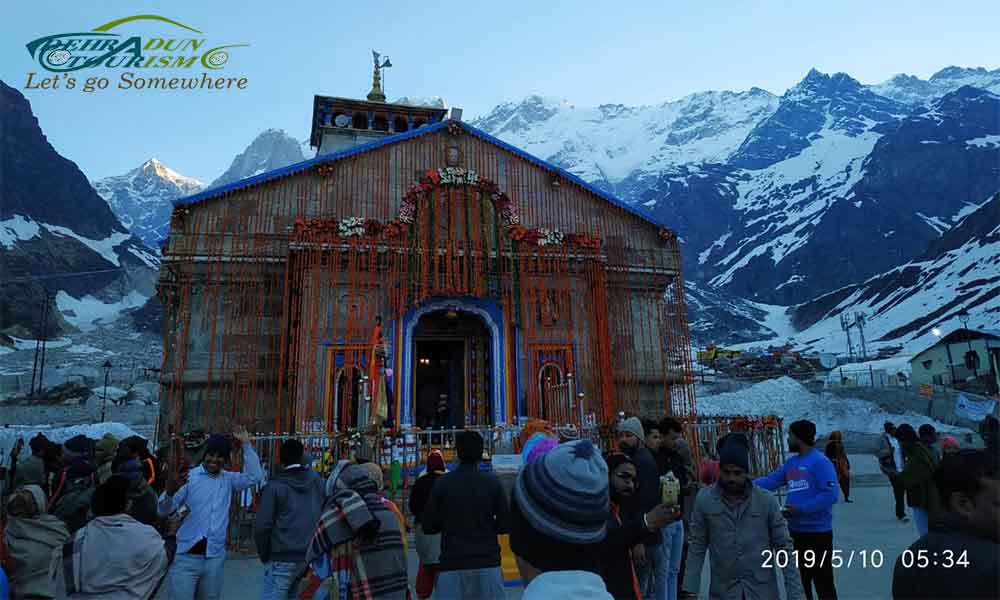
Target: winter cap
{"points": [[27, 502], [536, 438], [78, 446], [106, 448], [634, 426], [541, 448], [359, 479], [949, 442], [435, 462], [564, 493], [735, 450], [547, 553], [376, 474], [218, 445], [805, 431]]}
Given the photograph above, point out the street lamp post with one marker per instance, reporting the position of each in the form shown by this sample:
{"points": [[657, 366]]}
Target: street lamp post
{"points": [[107, 374]]}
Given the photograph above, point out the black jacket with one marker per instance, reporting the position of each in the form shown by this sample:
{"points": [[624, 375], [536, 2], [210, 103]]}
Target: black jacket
{"points": [[469, 509], [289, 508], [947, 540], [648, 494], [615, 561], [420, 495]]}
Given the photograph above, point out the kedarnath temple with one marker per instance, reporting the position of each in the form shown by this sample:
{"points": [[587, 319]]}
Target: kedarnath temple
{"points": [[417, 272]]}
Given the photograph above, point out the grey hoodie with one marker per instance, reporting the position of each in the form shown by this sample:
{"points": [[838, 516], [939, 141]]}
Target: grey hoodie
{"points": [[289, 509]]}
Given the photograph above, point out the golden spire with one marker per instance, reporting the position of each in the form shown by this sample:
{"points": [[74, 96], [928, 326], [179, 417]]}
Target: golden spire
{"points": [[377, 95]]}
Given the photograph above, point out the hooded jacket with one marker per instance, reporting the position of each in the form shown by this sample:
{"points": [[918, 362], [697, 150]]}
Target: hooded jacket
{"points": [[290, 506]]}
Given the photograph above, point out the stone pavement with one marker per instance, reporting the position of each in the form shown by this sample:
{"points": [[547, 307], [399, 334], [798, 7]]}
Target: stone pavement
{"points": [[868, 524]]}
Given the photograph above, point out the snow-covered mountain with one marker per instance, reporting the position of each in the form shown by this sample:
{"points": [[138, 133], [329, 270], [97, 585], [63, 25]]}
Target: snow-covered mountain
{"points": [[431, 101], [960, 271], [621, 148], [909, 89], [142, 198], [60, 244], [837, 185], [270, 150]]}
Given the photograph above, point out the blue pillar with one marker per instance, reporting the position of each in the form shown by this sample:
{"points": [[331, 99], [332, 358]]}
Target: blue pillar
{"points": [[392, 126], [371, 120]]}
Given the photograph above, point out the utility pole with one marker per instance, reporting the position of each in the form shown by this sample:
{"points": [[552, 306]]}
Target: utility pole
{"points": [[859, 322], [846, 326], [45, 334]]}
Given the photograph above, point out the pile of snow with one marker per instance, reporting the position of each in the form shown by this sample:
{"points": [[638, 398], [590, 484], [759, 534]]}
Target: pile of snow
{"points": [[10, 435], [789, 400], [89, 312]]}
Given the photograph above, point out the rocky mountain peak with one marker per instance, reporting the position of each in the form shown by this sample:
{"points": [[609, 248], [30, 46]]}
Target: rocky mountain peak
{"points": [[270, 150]]}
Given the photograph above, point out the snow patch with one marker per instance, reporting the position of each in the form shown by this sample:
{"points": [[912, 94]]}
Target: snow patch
{"points": [[791, 401], [16, 229], [88, 312], [10, 435], [985, 141]]}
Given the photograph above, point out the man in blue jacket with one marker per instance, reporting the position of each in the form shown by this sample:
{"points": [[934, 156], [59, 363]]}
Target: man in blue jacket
{"points": [[812, 491]]}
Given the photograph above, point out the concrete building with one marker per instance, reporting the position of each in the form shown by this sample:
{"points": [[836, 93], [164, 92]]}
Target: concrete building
{"points": [[959, 356]]}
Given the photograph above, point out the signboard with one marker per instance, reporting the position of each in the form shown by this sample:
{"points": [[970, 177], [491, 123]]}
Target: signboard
{"points": [[973, 410], [506, 463], [926, 389]]}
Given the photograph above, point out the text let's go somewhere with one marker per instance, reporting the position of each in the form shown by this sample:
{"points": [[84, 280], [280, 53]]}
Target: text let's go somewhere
{"points": [[130, 81]]}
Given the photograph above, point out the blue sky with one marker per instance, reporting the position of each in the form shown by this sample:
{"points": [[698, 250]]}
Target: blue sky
{"points": [[474, 54]]}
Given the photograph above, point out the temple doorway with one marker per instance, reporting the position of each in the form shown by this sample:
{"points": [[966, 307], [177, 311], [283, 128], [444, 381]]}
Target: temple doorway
{"points": [[452, 371]]}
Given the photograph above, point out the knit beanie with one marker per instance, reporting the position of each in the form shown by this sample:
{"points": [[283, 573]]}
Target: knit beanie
{"points": [[805, 431], [435, 462], [564, 493], [735, 450], [547, 553], [219, 445], [375, 473], [106, 448], [634, 426], [541, 448], [949, 442], [78, 446], [536, 438]]}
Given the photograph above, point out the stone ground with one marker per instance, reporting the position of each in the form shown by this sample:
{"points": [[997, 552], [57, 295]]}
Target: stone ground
{"points": [[868, 524]]}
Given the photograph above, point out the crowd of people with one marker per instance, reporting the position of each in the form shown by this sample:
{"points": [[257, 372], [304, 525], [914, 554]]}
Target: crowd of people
{"points": [[97, 519]]}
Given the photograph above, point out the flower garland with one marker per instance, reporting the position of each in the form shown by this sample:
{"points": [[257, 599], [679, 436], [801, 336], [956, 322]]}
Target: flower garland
{"points": [[351, 227], [455, 176]]}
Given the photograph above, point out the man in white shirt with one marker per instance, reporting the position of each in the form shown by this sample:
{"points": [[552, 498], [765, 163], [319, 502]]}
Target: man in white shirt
{"points": [[201, 539], [890, 459]]}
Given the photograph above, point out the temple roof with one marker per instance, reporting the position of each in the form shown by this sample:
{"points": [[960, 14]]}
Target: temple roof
{"points": [[392, 139]]}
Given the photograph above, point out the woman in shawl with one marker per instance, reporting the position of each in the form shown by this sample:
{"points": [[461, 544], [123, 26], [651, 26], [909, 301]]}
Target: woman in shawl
{"points": [[838, 456], [31, 536], [358, 541], [428, 546]]}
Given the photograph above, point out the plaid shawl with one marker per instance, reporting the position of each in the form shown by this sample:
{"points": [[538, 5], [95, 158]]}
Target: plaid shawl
{"points": [[359, 542]]}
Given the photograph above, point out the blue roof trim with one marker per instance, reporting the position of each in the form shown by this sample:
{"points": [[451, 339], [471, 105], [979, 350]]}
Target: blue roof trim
{"points": [[399, 137]]}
